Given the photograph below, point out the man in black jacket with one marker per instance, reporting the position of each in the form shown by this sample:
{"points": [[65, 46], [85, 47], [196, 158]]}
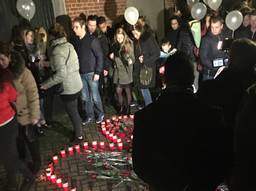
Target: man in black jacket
{"points": [[211, 55], [179, 142], [90, 57]]}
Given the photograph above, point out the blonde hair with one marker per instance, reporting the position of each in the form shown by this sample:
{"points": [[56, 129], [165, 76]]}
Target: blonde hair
{"points": [[41, 40], [127, 43]]}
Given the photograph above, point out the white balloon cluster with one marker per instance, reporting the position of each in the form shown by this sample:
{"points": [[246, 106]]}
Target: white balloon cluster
{"points": [[26, 8], [233, 19]]}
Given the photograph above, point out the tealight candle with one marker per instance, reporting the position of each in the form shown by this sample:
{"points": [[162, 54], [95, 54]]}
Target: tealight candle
{"points": [[107, 134], [70, 150], [111, 146], [63, 153], [103, 129], [53, 178], [114, 138], [55, 159], [94, 144], [65, 186], [110, 136], [131, 136], [77, 147], [73, 189], [114, 118], [125, 117], [132, 116], [119, 140], [108, 120], [85, 145], [103, 123], [59, 182], [102, 145], [120, 146], [120, 117]]}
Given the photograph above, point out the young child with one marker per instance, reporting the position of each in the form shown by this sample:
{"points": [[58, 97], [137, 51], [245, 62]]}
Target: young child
{"points": [[166, 50]]}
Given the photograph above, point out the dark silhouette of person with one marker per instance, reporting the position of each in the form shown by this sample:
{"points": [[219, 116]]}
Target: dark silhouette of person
{"points": [[178, 141]]}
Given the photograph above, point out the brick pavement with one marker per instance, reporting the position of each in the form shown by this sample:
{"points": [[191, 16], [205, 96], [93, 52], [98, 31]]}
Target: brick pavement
{"points": [[73, 167]]}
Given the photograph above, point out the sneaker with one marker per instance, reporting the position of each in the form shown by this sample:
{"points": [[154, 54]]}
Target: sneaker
{"points": [[87, 121], [100, 119]]}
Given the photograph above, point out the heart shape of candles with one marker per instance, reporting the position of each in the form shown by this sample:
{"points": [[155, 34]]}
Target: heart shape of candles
{"points": [[117, 130]]}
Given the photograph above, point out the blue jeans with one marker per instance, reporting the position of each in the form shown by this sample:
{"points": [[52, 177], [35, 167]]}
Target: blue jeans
{"points": [[146, 96], [91, 96]]}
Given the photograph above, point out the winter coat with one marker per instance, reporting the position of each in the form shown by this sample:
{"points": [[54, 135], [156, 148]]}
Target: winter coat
{"points": [[64, 63], [148, 47], [27, 103], [123, 72]]}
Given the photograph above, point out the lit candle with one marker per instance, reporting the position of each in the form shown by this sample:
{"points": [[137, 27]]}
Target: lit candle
{"points": [[111, 146], [114, 118], [53, 178], [59, 182], [108, 120], [77, 147], [132, 116], [114, 138], [131, 136], [120, 146], [102, 145], [107, 134], [103, 130], [65, 186], [110, 136], [48, 173], [103, 123], [70, 150], [63, 153], [94, 144], [119, 140], [120, 117], [125, 117], [73, 189], [55, 159], [85, 145]]}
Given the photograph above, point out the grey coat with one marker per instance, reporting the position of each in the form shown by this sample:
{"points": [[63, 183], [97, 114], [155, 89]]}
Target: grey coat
{"points": [[123, 73], [64, 61]]}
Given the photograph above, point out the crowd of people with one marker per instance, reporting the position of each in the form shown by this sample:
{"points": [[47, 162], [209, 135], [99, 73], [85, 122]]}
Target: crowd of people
{"points": [[195, 99]]}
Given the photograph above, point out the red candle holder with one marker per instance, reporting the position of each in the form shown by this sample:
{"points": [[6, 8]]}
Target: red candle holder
{"points": [[48, 173], [120, 146], [103, 123], [53, 178], [114, 118], [77, 148], [107, 134], [110, 136], [63, 153], [65, 186], [85, 145], [132, 116], [125, 117], [111, 146], [70, 150], [94, 144], [114, 138], [103, 130], [119, 140], [59, 182], [102, 145], [55, 159]]}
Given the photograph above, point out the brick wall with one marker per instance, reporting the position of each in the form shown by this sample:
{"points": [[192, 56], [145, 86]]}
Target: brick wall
{"points": [[109, 8]]}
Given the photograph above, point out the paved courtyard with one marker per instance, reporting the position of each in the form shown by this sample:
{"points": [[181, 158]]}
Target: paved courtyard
{"points": [[81, 169]]}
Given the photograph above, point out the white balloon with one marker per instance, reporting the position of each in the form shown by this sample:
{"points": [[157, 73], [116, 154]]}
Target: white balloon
{"points": [[26, 8], [234, 19], [214, 4], [131, 15], [192, 2], [198, 11]]}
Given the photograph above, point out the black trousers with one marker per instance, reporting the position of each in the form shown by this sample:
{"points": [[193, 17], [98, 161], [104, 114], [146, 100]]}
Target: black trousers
{"points": [[9, 155], [33, 147]]}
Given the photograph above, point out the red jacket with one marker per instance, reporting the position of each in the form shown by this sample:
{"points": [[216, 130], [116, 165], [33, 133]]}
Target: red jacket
{"points": [[7, 96]]}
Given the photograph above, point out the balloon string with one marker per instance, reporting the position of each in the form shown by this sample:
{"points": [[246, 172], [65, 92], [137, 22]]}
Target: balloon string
{"points": [[233, 32]]}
